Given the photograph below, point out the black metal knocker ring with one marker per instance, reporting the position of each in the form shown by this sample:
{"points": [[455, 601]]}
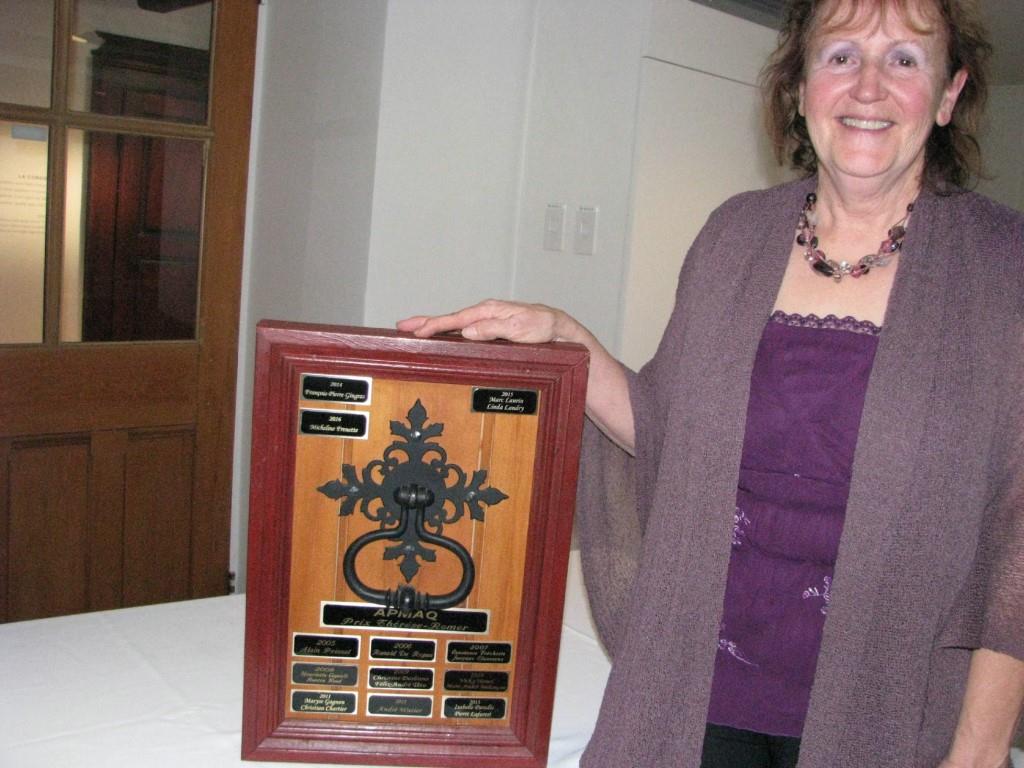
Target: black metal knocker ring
{"points": [[416, 501]]}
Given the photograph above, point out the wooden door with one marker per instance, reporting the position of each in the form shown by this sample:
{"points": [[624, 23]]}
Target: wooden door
{"points": [[115, 456]]}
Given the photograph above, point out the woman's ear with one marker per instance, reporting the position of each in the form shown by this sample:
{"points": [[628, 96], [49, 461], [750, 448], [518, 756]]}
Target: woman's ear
{"points": [[949, 96]]}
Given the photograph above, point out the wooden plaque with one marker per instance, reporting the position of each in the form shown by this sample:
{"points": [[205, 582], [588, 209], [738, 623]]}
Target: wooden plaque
{"points": [[411, 508]]}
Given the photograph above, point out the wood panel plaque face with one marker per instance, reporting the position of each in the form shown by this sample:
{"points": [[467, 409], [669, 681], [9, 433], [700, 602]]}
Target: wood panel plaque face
{"points": [[410, 516]]}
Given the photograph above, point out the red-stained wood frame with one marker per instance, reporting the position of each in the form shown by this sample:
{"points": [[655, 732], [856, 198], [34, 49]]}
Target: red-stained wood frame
{"points": [[286, 350]]}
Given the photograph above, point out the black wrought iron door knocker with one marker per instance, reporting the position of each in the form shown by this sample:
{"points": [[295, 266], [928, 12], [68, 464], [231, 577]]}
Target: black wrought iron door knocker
{"points": [[412, 500]]}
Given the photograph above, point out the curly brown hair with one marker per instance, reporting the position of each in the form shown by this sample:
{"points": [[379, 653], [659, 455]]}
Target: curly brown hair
{"points": [[952, 154]]}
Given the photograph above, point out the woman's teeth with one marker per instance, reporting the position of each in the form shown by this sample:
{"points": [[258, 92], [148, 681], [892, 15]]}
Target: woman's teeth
{"points": [[866, 125]]}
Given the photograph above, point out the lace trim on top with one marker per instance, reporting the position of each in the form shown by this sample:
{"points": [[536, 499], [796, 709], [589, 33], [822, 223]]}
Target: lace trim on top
{"points": [[829, 322]]}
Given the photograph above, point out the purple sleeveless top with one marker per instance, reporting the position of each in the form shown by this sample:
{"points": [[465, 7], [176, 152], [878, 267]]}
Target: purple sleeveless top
{"points": [[806, 396]]}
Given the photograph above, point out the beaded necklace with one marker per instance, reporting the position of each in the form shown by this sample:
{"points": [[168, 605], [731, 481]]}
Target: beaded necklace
{"points": [[837, 270]]}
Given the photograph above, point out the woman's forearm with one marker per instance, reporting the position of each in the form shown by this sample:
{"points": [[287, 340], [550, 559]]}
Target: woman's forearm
{"points": [[608, 403], [991, 710]]}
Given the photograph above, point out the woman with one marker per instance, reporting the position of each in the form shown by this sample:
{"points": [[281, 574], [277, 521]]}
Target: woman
{"points": [[821, 556]]}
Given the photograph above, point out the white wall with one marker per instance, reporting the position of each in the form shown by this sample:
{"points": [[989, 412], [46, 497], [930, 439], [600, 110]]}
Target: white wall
{"points": [[490, 111], [699, 141], [1001, 140], [313, 178], [310, 187], [453, 104], [578, 152]]}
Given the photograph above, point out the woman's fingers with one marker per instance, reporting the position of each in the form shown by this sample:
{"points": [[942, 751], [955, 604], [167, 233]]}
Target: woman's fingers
{"points": [[514, 328], [454, 321], [491, 319], [425, 325], [410, 324]]}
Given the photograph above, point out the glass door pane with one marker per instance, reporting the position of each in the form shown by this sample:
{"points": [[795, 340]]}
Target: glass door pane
{"points": [[23, 156], [144, 58], [26, 51], [134, 213]]}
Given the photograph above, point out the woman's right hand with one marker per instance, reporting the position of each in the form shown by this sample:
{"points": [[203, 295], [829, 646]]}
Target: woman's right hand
{"points": [[608, 402], [494, 319]]}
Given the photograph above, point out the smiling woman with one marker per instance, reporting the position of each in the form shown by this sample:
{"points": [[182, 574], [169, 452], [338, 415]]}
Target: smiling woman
{"points": [[817, 524]]}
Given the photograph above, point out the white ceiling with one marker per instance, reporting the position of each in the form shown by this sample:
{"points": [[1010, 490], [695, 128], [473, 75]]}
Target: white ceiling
{"points": [[1005, 19]]}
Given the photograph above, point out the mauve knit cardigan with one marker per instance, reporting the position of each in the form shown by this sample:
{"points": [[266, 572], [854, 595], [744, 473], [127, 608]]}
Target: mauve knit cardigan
{"points": [[931, 562]]}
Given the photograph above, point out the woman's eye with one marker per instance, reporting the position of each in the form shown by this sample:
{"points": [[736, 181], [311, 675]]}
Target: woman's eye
{"points": [[841, 58], [905, 58]]}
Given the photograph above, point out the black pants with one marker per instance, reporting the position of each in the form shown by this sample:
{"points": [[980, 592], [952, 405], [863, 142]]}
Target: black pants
{"points": [[726, 747]]}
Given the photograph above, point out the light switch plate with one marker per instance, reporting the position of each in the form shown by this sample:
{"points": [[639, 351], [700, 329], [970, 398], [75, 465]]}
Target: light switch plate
{"points": [[554, 227], [585, 234]]}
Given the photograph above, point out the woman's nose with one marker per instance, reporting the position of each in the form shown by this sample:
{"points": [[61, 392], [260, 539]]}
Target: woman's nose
{"points": [[870, 85]]}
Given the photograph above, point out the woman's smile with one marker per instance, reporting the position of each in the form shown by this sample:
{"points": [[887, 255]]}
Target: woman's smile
{"points": [[865, 124]]}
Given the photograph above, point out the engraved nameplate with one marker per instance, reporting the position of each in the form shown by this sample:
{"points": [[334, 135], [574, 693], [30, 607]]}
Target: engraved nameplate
{"points": [[399, 706], [379, 617], [403, 649], [352, 425], [474, 708], [475, 680], [337, 389], [401, 677], [333, 646], [518, 401], [304, 673], [479, 653], [324, 702]]}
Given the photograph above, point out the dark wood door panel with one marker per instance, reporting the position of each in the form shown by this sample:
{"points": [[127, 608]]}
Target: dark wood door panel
{"points": [[158, 513], [95, 521], [48, 520], [107, 513], [86, 388]]}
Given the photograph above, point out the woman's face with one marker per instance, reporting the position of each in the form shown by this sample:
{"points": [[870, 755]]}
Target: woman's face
{"points": [[872, 91]]}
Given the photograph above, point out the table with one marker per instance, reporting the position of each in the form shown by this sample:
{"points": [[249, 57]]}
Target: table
{"points": [[161, 686]]}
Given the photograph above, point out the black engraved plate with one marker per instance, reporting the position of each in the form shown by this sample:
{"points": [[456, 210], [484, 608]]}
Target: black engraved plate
{"points": [[337, 389], [399, 706], [403, 649], [380, 617], [328, 674], [475, 680], [410, 678], [324, 702], [346, 424], [330, 646], [463, 707], [517, 401], [479, 653]]}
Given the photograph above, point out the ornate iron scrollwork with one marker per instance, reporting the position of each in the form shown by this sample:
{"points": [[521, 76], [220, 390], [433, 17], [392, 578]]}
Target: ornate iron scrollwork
{"points": [[416, 501]]}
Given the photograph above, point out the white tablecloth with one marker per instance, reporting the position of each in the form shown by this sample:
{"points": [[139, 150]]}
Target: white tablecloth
{"points": [[162, 686]]}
